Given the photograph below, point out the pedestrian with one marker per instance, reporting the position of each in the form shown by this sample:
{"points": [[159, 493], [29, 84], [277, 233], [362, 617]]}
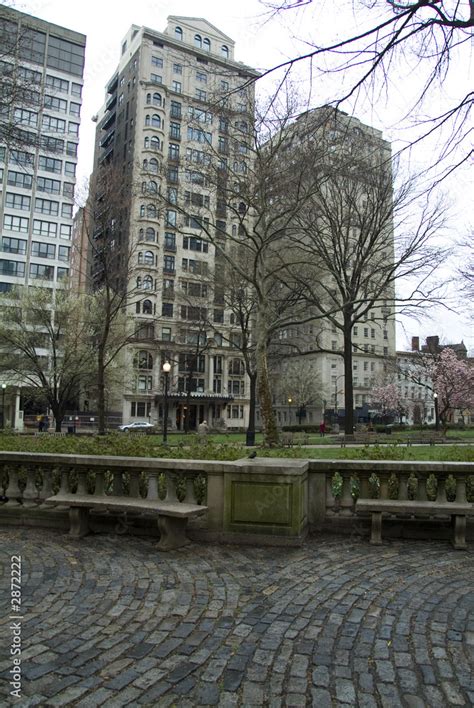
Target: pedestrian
{"points": [[322, 428], [40, 423]]}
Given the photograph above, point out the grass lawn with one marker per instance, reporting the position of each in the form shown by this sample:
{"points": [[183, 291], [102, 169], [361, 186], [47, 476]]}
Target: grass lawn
{"points": [[222, 447]]}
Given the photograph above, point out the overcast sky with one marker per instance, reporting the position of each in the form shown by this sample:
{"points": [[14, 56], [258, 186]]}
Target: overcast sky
{"points": [[263, 41]]}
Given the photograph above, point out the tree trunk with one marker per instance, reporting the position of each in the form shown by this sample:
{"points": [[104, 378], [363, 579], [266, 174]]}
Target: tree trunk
{"points": [[270, 430], [252, 406], [348, 387], [100, 394]]}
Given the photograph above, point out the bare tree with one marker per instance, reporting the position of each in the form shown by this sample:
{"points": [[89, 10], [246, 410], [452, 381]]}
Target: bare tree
{"points": [[393, 39], [298, 380], [258, 195], [108, 277], [45, 345], [20, 86], [362, 238]]}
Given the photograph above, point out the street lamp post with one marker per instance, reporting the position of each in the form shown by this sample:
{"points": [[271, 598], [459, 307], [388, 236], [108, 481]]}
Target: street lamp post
{"points": [[435, 397], [290, 401], [166, 371], [4, 388]]}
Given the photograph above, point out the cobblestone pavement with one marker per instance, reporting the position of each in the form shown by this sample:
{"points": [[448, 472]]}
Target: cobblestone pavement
{"points": [[110, 621]]}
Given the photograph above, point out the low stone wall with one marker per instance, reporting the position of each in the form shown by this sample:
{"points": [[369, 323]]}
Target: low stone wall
{"points": [[261, 500]]}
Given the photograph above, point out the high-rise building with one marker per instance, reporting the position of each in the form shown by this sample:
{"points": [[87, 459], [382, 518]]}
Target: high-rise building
{"points": [[41, 79], [163, 114], [353, 223]]}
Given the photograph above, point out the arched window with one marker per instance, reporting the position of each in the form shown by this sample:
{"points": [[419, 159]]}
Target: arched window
{"points": [[146, 143], [137, 307], [142, 210], [206, 44], [143, 187], [178, 33], [150, 234], [153, 165], [147, 120], [151, 211], [156, 120], [155, 143], [148, 258], [143, 360], [141, 235], [198, 41], [225, 51], [157, 99], [148, 98], [147, 282], [139, 282], [147, 307], [145, 165]]}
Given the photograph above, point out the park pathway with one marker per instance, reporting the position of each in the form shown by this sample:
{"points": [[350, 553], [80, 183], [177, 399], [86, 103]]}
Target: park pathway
{"points": [[110, 621]]}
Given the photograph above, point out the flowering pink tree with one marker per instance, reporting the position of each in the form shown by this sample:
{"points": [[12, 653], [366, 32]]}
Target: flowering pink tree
{"points": [[387, 399], [453, 383]]}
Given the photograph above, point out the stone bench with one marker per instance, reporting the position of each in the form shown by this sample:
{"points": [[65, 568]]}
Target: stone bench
{"points": [[377, 507], [423, 438], [172, 516], [361, 438]]}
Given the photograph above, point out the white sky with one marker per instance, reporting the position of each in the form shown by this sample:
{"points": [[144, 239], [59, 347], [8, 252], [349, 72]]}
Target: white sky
{"points": [[263, 41]]}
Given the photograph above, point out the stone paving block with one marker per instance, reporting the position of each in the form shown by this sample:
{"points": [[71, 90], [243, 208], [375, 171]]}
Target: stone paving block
{"points": [[195, 627]]}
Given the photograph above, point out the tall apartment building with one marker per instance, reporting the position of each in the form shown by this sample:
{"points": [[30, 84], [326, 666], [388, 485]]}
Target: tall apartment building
{"points": [[318, 388], [41, 76], [161, 119]]}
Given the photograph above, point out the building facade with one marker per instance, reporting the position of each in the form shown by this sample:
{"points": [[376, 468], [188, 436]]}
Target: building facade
{"points": [[41, 74], [161, 125], [316, 348]]}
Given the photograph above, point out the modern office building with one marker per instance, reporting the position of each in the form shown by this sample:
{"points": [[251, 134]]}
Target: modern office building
{"points": [[162, 117], [41, 78]]}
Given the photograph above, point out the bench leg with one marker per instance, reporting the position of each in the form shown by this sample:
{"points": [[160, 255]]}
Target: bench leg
{"points": [[376, 529], [172, 533], [79, 521], [459, 532]]}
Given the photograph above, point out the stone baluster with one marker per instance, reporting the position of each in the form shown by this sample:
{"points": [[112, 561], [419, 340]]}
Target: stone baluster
{"points": [[190, 497], [82, 481], [117, 486], [46, 490], [347, 503], [99, 486], [461, 490], [152, 492], [135, 484], [13, 492], [422, 488], [171, 488], [30, 495], [403, 487], [441, 492], [383, 485]]}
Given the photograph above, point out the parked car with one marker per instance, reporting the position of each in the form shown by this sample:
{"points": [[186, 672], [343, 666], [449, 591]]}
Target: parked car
{"points": [[138, 426]]}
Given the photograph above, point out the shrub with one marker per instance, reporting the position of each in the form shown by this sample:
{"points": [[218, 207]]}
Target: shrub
{"points": [[393, 486], [336, 485], [412, 486], [431, 487]]}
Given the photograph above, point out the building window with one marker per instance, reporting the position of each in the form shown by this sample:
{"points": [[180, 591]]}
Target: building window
{"points": [[18, 201], [176, 86], [175, 109], [150, 234], [171, 216], [156, 79], [177, 68], [157, 61], [178, 33], [166, 334], [201, 95], [41, 272], [206, 44], [43, 250], [225, 51], [169, 264], [201, 76], [175, 131], [198, 41], [173, 151], [167, 309]]}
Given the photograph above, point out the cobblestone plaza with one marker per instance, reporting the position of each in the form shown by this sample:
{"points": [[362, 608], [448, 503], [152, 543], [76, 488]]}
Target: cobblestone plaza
{"points": [[109, 620]]}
